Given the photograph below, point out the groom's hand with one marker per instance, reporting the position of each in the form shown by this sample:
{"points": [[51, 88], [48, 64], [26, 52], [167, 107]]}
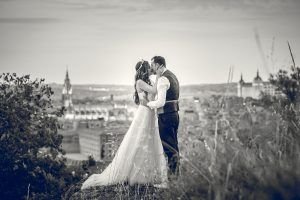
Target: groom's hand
{"points": [[149, 105], [159, 71]]}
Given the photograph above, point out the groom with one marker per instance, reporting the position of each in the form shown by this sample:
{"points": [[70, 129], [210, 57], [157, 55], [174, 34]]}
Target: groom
{"points": [[167, 110]]}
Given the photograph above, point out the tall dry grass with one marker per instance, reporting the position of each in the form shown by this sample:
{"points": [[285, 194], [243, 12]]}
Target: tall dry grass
{"points": [[247, 152], [244, 152]]}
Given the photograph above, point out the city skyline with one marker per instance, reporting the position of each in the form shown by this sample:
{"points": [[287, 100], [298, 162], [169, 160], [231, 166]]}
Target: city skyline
{"points": [[100, 42]]}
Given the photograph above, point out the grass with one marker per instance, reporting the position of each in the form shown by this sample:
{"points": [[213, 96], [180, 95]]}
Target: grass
{"points": [[121, 191], [240, 153]]}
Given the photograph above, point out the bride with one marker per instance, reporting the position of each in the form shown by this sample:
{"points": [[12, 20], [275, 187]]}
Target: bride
{"points": [[140, 158]]}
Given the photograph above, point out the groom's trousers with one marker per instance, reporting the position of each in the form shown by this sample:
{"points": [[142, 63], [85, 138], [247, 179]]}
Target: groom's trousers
{"points": [[168, 128]]}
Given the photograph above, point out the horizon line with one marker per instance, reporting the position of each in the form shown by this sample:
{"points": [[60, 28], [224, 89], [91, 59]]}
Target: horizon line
{"points": [[112, 84]]}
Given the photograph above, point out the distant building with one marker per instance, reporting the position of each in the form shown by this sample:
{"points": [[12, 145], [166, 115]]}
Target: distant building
{"points": [[255, 88], [67, 93], [70, 142], [92, 129], [102, 143], [108, 110], [93, 137], [91, 112]]}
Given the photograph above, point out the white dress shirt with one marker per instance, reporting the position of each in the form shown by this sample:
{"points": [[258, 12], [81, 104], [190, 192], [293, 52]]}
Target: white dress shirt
{"points": [[163, 84]]}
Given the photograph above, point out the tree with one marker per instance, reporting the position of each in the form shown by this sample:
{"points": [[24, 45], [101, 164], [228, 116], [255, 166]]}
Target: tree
{"points": [[288, 84], [288, 105], [31, 164]]}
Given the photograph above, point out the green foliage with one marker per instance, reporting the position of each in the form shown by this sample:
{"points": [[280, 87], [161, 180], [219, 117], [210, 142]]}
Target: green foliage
{"points": [[31, 164], [288, 84], [244, 153], [287, 105]]}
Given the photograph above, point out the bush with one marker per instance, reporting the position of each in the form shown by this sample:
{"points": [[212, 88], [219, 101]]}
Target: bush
{"points": [[31, 164]]}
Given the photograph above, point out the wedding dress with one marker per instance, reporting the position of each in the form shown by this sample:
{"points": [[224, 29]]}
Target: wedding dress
{"points": [[140, 158]]}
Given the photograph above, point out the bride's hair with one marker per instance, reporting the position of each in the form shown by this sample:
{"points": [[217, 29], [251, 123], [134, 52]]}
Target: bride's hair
{"points": [[141, 68]]}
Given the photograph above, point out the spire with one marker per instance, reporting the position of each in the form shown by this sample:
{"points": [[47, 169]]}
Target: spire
{"points": [[67, 84], [242, 80], [67, 74], [67, 91], [257, 78]]}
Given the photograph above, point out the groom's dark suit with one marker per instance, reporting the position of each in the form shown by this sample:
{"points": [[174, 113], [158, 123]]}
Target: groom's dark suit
{"points": [[168, 121]]}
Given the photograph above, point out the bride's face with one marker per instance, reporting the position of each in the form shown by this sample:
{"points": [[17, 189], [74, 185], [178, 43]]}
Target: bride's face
{"points": [[150, 71]]}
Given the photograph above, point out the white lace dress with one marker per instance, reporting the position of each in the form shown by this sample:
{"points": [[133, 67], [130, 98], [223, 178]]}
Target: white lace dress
{"points": [[140, 158]]}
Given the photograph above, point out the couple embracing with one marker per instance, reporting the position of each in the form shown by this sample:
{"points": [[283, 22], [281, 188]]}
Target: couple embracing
{"points": [[152, 135]]}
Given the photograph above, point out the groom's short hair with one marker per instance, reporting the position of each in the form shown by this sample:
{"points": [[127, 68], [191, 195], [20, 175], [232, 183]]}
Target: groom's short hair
{"points": [[160, 60]]}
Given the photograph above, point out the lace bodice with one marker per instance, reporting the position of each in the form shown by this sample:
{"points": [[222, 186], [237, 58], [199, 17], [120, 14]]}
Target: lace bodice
{"points": [[148, 97]]}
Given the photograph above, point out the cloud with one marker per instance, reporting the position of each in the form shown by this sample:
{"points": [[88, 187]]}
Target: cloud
{"points": [[38, 20], [108, 5], [262, 7]]}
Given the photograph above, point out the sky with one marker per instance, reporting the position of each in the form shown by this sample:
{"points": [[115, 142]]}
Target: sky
{"points": [[100, 42]]}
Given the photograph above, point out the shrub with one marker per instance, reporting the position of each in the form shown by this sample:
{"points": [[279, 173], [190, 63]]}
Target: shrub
{"points": [[31, 164]]}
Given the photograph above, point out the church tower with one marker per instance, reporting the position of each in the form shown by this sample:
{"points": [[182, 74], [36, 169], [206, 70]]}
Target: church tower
{"points": [[257, 81], [67, 93], [240, 87]]}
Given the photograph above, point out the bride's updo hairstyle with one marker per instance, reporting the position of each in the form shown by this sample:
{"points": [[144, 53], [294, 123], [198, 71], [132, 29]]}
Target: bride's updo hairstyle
{"points": [[141, 68]]}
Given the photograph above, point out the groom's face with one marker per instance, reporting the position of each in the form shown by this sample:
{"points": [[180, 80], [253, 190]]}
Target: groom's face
{"points": [[154, 66]]}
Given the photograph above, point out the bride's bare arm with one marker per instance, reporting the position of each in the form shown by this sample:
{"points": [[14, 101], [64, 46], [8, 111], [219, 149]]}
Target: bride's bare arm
{"points": [[146, 87]]}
